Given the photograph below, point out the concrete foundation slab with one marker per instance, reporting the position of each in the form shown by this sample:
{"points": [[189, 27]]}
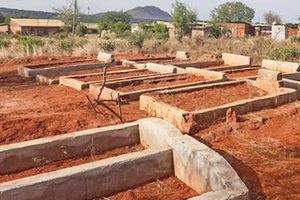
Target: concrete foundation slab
{"points": [[285, 67], [234, 59]]}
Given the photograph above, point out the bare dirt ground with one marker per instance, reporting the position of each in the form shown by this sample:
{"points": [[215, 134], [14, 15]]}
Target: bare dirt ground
{"points": [[207, 98], [169, 188], [242, 74], [162, 82], [264, 150], [52, 166], [30, 111]]}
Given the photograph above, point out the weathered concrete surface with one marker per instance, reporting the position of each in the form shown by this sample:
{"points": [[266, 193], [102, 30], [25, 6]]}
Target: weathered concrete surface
{"points": [[106, 57], [25, 155], [268, 80], [207, 74], [46, 80], [183, 55], [234, 59], [191, 122], [285, 67], [129, 63], [161, 68], [203, 169], [27, 72], [96, 179], [200, 64], [195, 164]]}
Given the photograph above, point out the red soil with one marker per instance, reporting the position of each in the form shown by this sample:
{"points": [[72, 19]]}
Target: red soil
{"points": [[89, 71], [64, 63], [169, 188], [115, 76], [53, 166], [30, 111], [241, 74], [162, 82], [210, 97], [264, 150]]}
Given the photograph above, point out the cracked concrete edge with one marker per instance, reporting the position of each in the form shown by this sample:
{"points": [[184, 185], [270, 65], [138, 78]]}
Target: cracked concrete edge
{"points": [[21, 156], [94, 179], [286, 67], [207, 74]]}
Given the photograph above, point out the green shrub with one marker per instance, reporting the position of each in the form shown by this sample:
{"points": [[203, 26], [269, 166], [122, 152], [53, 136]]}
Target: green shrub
{"points": [[107, 45], [67, 44], [284, 53], [4, 42], [81, 30], [28, 43], [295, 39], [60, 36], [137, 39]]}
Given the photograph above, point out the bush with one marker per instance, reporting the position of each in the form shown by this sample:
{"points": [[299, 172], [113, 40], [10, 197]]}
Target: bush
{"points": [[81, 30], [295, 39], [107, 45], [67, 44], [137, 39], [28, 43], [4, 42], [284, 53]]}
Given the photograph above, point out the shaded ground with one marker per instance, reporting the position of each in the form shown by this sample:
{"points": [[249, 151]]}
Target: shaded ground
{"points": [[241, 74], [264, 150]]}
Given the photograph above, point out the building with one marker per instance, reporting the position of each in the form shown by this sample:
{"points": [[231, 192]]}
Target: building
{"points": [[292, 31], [299, 30], [34, 26], [238, 29], [262, 29], [135, 28], [279, 32], [91, 27]]}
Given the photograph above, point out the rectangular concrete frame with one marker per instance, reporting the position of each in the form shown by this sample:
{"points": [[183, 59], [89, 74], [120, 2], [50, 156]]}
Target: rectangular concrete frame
{"points": [[198, 166], [109, 92], [285, 67], [195, 164], [27, 72], [191, 122], [71, 81], [242, 70], [292, 80], [234, 59]]}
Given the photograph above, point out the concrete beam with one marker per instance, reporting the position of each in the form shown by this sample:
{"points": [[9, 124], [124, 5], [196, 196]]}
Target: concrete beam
{"points": [[182, 55], [207, 74], [96, 179], [285, 67], [106, 57], [161, 68], [234, 59], [25, 155]]}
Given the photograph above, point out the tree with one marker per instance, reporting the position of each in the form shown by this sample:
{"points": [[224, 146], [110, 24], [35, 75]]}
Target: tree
{"points": [[115, 21], [271, 17], [65, 14], [81, 30], [182, 17], [232, 12], [2, 18]]}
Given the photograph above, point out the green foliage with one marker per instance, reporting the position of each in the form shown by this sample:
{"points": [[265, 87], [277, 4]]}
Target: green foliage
{"points": [[182, 17], [137, 39], [215, 30], [4, 42], [107, 45], [60, 36], [158, 31], [81, 30], [271, 17], [67, 44], [284, 53], [28, 43], [2, 18], [295, 39], [117, 22], [232, 12], [65, 14]]}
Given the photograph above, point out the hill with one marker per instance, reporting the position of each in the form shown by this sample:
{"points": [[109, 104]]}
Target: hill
{"points": [[147, 13]]}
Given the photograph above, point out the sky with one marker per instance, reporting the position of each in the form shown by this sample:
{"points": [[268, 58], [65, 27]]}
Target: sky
{"points": [[289, 10]]}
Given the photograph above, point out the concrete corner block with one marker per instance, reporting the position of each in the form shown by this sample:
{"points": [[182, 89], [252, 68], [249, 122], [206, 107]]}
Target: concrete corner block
{"points": [[161, 68], [106, 57], [285, 67], [183, 55], [203, 169], [156, 133], [234, 59], [268, 80]]}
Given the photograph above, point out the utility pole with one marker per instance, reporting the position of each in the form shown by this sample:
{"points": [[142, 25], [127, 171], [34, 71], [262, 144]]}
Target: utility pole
{"points": [[88, 17], [74, 18]]}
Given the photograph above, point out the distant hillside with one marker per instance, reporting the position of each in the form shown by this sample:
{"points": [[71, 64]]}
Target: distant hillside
{"points": [[147, 13]]}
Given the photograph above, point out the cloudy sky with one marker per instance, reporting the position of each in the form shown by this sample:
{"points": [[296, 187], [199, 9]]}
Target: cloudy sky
{"points": [[288, 9]]}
